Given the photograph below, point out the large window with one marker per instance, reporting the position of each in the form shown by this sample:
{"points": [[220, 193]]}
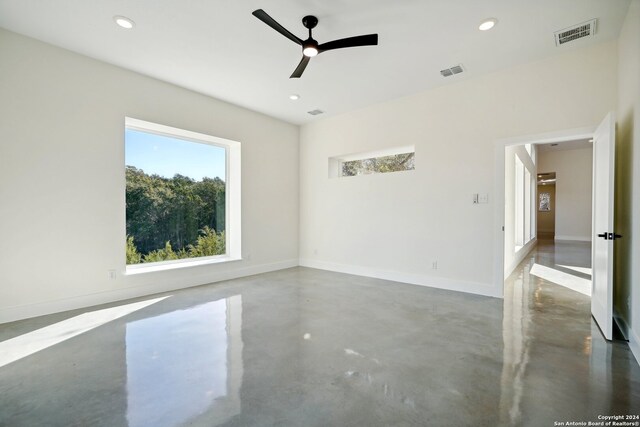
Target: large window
{"points": [[180, 198]]}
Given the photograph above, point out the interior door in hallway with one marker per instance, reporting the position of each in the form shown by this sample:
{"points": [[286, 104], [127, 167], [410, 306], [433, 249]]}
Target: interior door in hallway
{"points": [[603, 233]]}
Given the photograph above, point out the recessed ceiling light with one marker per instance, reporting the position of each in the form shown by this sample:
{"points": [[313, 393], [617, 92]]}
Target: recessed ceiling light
{"points": [[488, 24], [294, 97], [124, 22]]}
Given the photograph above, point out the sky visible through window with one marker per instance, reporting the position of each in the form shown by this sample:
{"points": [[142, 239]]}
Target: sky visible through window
{"points": [[167, 156]]}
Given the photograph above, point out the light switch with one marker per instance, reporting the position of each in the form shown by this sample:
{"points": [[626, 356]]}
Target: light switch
{"points": [[483, 198]]}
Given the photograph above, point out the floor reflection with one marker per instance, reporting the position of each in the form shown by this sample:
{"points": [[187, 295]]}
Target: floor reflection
{"points": [[548, 289], [184, 364], [516, 338]]}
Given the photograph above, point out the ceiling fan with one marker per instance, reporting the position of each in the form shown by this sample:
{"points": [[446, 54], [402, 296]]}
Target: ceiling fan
{"points": [[310, 47]]}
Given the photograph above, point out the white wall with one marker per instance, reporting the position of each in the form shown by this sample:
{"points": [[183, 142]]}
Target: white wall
{"points": [[574, 171], [62, 209], [394, 225], [627, 249]]}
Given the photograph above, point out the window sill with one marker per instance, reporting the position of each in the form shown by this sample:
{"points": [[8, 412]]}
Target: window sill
{"points": [[154, 267]]}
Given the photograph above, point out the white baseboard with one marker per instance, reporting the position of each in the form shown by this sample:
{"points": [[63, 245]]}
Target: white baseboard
{"points": [[634, 344], [10, 314], [485, 289], [574, 238]]}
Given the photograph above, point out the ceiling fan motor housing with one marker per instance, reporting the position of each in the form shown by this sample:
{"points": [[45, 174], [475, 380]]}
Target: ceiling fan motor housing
{"points": [[310, 21]]}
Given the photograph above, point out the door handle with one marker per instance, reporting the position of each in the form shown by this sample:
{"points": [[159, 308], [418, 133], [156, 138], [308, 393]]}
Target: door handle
{"points": [[614, 236], [605, 236]]}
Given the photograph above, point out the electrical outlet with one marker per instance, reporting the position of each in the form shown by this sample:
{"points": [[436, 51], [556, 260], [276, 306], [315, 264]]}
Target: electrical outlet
{"points": [[483, 198], [434, 265], [112, 274]]}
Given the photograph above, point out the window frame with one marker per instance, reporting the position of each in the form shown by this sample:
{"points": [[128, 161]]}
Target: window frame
{"points": [[233, 222]]}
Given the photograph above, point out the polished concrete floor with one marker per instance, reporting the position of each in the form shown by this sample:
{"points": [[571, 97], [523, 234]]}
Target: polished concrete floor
{"points": [[304, 347]]}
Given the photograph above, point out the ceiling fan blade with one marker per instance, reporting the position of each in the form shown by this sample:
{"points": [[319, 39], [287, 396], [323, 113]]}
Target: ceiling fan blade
{"points": [[367, 40], [264, 17], [300, 68]]}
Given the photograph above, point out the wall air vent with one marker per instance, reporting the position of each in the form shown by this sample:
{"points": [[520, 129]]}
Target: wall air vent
{"points": [[315, 112], [575, 32], [457, 69]]}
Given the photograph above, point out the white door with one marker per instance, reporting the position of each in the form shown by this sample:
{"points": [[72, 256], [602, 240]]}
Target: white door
{"points": [[603, 232]]}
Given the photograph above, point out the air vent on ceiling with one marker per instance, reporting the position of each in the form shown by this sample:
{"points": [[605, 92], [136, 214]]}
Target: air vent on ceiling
{"points": [[457, 69], [575, 32], [315, 112]]}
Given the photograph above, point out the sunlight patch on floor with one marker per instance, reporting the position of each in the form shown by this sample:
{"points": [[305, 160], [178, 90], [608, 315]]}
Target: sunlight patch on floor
{"points": [[40, 339], [561, 278]]}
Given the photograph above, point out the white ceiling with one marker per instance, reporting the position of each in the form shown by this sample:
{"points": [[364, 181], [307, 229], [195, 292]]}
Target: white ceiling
{"points": [[218, 48], [566, 145]]}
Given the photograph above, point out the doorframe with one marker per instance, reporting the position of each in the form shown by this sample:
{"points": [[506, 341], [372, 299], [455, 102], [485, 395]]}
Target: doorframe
{"points": [[500, 145]]}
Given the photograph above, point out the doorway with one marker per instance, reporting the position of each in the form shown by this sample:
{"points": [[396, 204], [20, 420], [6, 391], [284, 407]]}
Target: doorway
{"points": [[601, 210], [546, 206], [501, 269], [562, 210]]}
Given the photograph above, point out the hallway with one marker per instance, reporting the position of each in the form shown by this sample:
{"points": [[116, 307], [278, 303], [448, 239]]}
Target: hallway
{"points": [[306, 347]]}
